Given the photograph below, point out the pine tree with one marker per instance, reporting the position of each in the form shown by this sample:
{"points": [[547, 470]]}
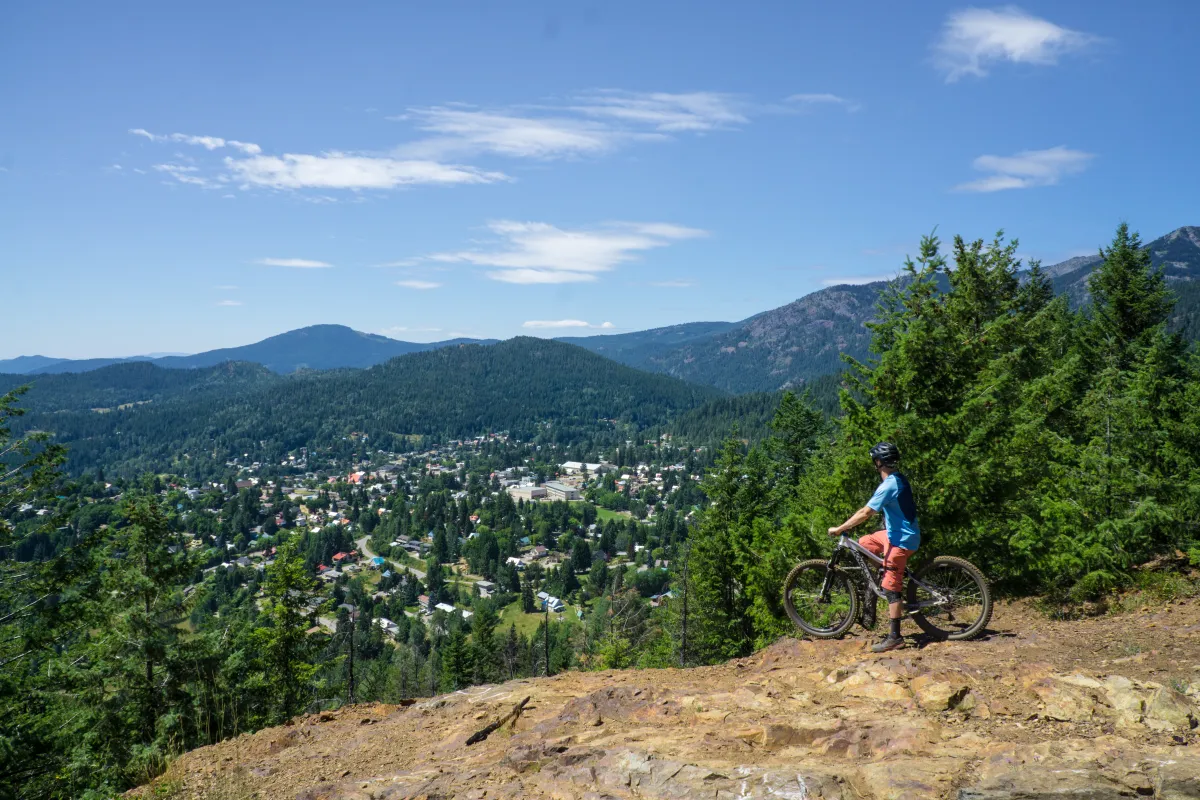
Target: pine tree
{"points": [[455, 662], [284, 647]]}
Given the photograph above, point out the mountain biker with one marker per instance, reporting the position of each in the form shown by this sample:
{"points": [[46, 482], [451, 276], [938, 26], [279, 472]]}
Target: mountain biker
{"points": [[899, 540]]}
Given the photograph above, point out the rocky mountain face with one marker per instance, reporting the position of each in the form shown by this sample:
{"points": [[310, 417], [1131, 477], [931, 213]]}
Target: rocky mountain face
{"points": [[792, 345], [1103, 708]]}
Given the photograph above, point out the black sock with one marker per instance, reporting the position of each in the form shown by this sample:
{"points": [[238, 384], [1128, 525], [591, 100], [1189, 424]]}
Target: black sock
{"points": [[895, 633]]}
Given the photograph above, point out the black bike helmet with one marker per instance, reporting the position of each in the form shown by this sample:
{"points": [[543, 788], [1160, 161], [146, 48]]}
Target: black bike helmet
{"points": [[886, 453]]}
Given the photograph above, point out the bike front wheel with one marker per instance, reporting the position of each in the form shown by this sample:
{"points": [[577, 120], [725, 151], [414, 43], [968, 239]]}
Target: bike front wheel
{"points": [[821, 612], [958, 602]]}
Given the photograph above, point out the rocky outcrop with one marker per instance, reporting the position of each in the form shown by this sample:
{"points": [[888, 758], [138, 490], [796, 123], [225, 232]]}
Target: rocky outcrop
{"points": [[1018, 718]]}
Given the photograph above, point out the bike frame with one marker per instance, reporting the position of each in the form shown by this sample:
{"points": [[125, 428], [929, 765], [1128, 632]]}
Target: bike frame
{"points": [[861, 555]]}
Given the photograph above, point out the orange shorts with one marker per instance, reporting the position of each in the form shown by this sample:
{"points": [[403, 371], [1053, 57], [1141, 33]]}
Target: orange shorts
{"points": [[893, 565]]}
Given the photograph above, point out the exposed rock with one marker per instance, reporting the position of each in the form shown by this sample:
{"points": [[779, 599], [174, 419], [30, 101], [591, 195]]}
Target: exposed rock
{"points": [[993, 720]]}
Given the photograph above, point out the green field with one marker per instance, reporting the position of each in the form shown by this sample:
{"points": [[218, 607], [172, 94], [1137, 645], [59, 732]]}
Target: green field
{"points": [[527, 624], [605, 514]]}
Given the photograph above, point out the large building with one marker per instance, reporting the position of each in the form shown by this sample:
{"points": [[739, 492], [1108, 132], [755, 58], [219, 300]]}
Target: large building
{"points": [[526, 492], [576, 467], [560, 491]]}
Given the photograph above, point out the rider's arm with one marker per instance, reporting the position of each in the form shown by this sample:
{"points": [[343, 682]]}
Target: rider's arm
{"points": [[858, 518]]}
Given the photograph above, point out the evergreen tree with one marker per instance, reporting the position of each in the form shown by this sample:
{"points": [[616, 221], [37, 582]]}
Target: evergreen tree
{"points": [[455, 662], [284, 647]]}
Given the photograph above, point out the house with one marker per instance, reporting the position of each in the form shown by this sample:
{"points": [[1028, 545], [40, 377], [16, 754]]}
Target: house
{"points": [[486, 588], [660, 599], [526, 492], [449, 609], [516, 562], [560, 491], [540, 551], [551, 602], [467, 614], [389, 627], [423, 602], [330, 575], [377, 561], [350, 608]]}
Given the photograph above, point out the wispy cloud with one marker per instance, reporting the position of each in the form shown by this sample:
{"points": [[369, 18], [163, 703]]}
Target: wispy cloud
{"points": [[975, 38], [587, 124], [824, 99], [415, 284], [672, 284], [184, 174], [536, 252], [298, 263], [1026, 169], [465, 131], [664, 111], [348, 171], [564, 323], [230, 303], [207, 142]]}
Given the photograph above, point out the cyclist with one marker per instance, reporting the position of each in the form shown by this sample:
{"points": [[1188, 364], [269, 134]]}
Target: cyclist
{"points": [[899, 540]]}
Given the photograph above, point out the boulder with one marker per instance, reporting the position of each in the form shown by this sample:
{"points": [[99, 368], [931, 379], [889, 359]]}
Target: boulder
{"points": [[1167, 710], [934, 693]]}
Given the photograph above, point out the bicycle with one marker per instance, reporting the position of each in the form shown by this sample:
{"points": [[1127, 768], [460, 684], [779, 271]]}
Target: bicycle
{"points": [[948, 598]]}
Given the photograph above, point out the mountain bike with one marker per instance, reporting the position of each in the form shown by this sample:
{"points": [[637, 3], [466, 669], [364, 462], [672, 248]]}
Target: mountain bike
{"points": [[948, 598]]}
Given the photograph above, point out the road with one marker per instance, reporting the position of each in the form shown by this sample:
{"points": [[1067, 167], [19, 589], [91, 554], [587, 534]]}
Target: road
{"points": [[364, 548]]}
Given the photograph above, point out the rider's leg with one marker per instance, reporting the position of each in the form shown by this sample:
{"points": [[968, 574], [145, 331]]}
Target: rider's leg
{"points": [[894, 562]]}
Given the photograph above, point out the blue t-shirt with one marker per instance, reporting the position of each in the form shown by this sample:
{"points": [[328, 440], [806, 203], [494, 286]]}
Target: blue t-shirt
{"points": [[895, 499]]}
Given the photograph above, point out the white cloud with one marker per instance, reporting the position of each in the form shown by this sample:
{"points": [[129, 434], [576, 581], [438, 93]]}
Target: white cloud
{"points": [[230, 303], [664, 111], [1026, 169], [299, 263], [588, 124], [974, 38], [564, 323], [463, 131], [824, 99], [184, 174], [536, 252], [207, 142], [336, 170], [415, 284]]}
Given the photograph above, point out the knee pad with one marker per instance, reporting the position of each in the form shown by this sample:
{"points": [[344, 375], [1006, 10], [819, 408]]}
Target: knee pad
{"points": [[892, 597]]}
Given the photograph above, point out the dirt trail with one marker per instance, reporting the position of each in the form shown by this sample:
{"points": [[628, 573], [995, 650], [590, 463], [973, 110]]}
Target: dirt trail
{"points": [[1100, 708]]}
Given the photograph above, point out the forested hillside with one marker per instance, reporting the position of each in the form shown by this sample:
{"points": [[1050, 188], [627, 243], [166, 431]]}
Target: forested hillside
{"points": [[1054, 449], [795, 344], [315, 347], [137, 382], [518, 385]]}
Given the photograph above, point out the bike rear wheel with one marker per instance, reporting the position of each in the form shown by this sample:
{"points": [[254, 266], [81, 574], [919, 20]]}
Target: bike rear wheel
{"points": [[968, 606], [821, 616]]}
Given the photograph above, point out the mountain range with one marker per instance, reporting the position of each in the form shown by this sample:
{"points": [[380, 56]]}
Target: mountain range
{"points": [[137, 416], [789, 346], [316, 347]]}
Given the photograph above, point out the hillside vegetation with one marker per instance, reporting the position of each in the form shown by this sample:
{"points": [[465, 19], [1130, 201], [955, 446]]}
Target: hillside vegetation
{"points": [[796, 344], [206, 416]]}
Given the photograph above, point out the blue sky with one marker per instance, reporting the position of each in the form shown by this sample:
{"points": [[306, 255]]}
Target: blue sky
{"points": [[175, 178]]}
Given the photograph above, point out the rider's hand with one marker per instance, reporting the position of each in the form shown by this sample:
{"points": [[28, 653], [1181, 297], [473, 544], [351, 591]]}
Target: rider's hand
{"points": [[833, 531]]}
